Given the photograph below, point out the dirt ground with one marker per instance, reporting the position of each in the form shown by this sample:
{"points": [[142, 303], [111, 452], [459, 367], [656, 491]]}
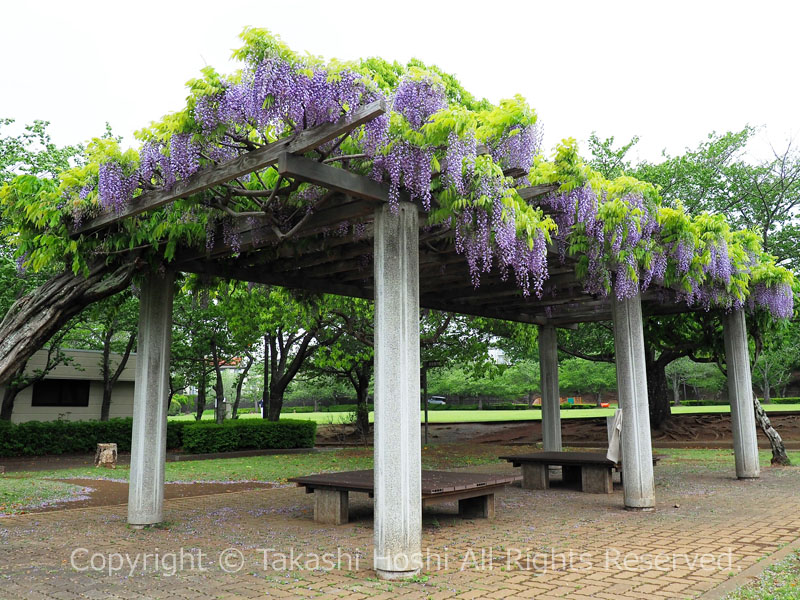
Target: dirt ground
{"points": [[707, 430], [104, 492]]}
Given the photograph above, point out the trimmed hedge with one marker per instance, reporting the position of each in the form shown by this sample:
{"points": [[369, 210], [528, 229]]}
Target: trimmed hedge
{"points": [[706, 402], [35, 438], [246, 434], [784, 400]]}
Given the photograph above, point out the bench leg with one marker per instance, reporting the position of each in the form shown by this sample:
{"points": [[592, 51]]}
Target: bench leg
{"points": [[535, 477], [481, 507], [596, 479], [331, 507], [571, 475]]}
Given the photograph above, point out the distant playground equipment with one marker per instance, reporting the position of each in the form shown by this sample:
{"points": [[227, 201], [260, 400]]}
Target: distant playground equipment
{"points": [[571, 400]]}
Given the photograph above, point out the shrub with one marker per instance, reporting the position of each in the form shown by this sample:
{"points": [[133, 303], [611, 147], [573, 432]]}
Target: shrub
{"points": [[36, 438], [784, 400], [245, 434], [703, 402], [344, 408]]}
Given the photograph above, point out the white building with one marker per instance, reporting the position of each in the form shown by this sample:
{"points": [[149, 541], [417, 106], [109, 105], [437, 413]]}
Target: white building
{"points": [[74, 392]]}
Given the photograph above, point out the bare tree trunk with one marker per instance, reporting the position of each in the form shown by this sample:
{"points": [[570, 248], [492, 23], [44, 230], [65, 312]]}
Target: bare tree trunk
{"points": [[33, 319], [779, 456]]}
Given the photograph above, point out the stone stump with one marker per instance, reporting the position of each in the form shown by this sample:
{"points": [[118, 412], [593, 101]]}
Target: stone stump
{"points": [[106, 456]]}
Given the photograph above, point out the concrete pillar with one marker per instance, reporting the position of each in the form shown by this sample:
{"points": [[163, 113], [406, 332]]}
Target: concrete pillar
{"points": [[740, 395], [637, 466], [149, 441], [398, 486], [551, 398]]}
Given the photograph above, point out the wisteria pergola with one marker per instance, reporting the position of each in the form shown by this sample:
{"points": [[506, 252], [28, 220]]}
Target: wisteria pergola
{"points": [[401, 263]]}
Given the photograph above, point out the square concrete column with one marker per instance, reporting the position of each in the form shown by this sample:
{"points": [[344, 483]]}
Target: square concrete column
{"points": [[740, 395], [637, 452], [398, 464], [551, 396], [149, 441]]}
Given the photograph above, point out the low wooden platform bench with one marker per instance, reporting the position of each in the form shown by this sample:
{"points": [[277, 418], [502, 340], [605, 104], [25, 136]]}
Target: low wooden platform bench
{"points": [[474, 492], [591, 469]]}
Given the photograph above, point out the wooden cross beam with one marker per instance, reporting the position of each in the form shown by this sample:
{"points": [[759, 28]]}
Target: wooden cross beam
{"points": [[255, 160]]}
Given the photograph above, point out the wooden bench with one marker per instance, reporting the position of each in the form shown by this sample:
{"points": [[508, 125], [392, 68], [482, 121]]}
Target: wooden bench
{"points": [[592, 470], [474, 492]]}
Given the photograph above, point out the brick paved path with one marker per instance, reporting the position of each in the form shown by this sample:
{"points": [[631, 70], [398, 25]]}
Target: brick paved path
{"points": [[550, 544]]}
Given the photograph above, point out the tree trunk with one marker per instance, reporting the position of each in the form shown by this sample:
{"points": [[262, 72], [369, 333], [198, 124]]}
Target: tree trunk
{"points": [[201, 396], [362, 408], [110, 379], [33, 319], [599, 400], [105, 408], [240, 384], [9, 395], [676, 390], [767, 398], [779, 456], [275, 402], [657, 389], [265, 389]]}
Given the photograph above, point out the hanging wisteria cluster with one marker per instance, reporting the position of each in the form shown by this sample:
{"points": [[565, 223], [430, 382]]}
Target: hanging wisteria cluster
{"points": [[517, 147], [621, 243], [623, 249], [274, 95]]}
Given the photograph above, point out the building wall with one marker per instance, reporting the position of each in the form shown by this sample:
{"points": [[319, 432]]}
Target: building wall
{"points": [[88, 361], [121, 405]]}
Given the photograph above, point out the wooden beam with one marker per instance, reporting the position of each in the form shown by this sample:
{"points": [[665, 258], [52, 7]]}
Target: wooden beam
{"points": [[332, 178], [529, 193], [255, 160]]}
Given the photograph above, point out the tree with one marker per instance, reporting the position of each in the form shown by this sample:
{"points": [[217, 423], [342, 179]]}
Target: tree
{"points": [[291, 326], [775, 358], [713, 177], [32, 152], [350, 355], [581, 376], [110, 325]]}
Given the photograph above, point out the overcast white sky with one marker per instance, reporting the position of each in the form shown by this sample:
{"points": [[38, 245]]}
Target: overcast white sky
{"points": [[670, 72]]}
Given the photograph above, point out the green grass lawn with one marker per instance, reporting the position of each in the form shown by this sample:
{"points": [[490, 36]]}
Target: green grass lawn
{"points": [[24, 490], [488, 416], [778, 582], [21, 491]]}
